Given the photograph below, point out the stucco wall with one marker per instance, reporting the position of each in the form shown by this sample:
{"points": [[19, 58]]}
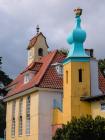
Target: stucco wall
{"points": [[41, 43], [96, 109], [94, 77], [73, 90], [41, 116], [46, 113], [33, 119]]}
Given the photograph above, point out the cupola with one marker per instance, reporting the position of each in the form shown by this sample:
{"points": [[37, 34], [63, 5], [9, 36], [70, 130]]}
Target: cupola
{"points": [[75, 39]]}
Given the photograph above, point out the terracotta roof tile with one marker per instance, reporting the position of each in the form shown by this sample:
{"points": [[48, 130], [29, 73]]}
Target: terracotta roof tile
{"points": [[19, 81], [51, 78], [45, 75], [101, 82]]}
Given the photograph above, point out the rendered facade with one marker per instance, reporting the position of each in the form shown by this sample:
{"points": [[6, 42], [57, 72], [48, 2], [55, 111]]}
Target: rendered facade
{"points": [[53, 88]]}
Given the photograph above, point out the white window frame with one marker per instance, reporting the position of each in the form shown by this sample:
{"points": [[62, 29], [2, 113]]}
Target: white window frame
{"points": [[27, 78], [20, 117], [13, 125], [28, 100], [59, 69]]}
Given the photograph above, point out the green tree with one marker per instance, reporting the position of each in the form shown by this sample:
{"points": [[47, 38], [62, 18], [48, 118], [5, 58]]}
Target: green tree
{"points": [[4, 81], [101, 64], [63, 51], [2, 119], [84, 128]]}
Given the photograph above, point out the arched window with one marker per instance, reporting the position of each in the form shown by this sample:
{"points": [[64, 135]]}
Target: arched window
{"points": [[40, 52], [80, 75]]}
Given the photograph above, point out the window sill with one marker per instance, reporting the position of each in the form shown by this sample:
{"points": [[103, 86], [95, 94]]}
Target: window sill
{"points": [[27, 134], [20, 135]]}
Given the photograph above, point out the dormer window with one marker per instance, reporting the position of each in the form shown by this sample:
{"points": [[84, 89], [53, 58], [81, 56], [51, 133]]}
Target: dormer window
{"points": [[59, 69], [27, 78], [40, 52]]}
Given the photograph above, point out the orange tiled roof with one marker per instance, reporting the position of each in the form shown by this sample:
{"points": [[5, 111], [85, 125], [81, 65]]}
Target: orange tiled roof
{"points": [[101, 82], [46, 75]]}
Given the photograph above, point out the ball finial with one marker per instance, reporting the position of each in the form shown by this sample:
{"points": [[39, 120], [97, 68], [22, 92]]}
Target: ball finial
{"points": [[78, 12], [37, 29]]}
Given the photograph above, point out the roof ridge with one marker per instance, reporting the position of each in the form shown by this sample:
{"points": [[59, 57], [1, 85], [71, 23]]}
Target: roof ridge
{"points": [[34, 38], [44, 71]]}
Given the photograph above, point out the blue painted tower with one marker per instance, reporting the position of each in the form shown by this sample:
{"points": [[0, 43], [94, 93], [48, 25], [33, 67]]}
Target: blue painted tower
{"points": [[76, 39]]}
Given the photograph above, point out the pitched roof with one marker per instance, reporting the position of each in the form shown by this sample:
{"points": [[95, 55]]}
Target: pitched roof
{"points": [[34, 40], [46, 75], [101, 82]]}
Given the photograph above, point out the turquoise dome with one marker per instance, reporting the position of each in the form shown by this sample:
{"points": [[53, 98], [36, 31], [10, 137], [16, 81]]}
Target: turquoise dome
{"points": [[78, 35], [76, 39]]}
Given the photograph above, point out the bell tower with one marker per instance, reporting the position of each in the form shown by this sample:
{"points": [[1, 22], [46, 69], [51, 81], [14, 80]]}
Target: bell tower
{"points": [[76, 73], [37, 47]]}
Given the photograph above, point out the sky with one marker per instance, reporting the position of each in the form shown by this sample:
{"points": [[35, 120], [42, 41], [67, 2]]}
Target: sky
{"points": [[18, 20]]}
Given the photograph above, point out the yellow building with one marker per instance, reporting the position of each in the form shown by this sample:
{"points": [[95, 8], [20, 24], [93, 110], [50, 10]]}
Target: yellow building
{"points": [[53, 88]]}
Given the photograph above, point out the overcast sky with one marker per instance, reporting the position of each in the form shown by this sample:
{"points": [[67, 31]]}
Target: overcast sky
{"points": [[18, 20]]}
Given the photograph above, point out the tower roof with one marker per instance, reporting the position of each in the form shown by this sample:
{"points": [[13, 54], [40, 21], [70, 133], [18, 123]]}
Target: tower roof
{"points": [[76, 39], [34, 40]]}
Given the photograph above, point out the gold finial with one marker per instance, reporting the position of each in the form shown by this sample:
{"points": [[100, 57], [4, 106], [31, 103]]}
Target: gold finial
{"points": [[37, 29], [78, 12]]}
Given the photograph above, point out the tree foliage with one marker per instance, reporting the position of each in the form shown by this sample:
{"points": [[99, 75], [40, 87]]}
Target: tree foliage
{"points": [[84, 128], [63, 51], [2, 119], [4, 81], [101, 64]]}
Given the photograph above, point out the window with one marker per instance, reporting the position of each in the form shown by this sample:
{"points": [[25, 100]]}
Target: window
{"points": [[102, 106], [66, 77], [13, 119], [28, 115], [80, 75], [20, 125], [40, 52], [59, 69], [27, 78], [20, 116]]}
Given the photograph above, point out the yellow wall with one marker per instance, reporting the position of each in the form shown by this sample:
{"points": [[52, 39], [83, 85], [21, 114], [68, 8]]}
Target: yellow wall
{"points": [[33, 119], [73, 90], [96, 109], [57, 116]]}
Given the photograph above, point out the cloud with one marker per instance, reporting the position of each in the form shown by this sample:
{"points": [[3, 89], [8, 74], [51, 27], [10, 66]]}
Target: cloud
{"points": [[56, 19]]}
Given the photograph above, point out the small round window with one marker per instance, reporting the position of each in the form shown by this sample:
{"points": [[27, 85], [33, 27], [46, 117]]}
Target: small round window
{"points": [[40, 52]]}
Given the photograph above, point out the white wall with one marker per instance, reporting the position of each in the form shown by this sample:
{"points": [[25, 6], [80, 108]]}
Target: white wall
{"points": [[45, 113], [94, 77]]}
